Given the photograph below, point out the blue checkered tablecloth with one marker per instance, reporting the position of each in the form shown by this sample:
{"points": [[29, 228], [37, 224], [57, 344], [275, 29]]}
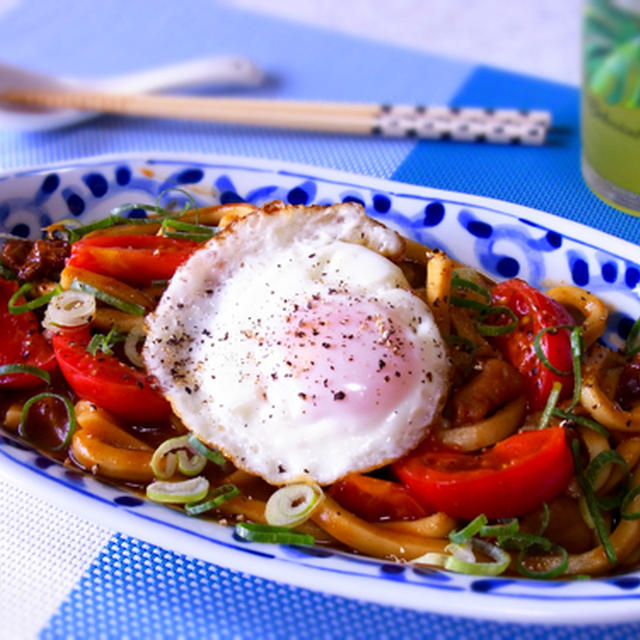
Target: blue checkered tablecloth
{"points": [[65, 577]]}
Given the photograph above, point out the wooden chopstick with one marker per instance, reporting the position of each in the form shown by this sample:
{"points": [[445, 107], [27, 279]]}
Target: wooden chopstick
{"points": [[469, 124]]}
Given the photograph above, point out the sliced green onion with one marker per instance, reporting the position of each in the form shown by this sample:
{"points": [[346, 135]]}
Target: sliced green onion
{"points": [[186, 231], [592, 505], [582, 421], [457, 282], [71, 418], [630, 346], [267, 533], [458, 537], [159, 283], [603, 459], [485, 329], [503, 530], [6, 273], [191, 202], [31, 304], [292, 505], [183, 492], [218, 496], [461, 565], [546, 517], [521, 541], [576, 357], [554, 572], [8, 369], [122, 305], [70, 309], [468, 303], [134, 337], [203, 449], [540, 353], [105, 342], [552, 400], [176, 453], [630, 515]]}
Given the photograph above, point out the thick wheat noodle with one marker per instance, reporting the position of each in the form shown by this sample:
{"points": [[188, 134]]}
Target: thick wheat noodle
{"points": [[593, 310], [438, 525], [488, 431], [109, 285], [594, 399], [596, 443], [370, 539], [103, 447], [630, 451], [439, 270], [624, 539]]}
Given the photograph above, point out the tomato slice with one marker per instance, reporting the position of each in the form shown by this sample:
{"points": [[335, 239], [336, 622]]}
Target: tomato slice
{"points": [[535, 312], [375, 500], [105, 380], [512, 478], [137, 260], [22, 342]]}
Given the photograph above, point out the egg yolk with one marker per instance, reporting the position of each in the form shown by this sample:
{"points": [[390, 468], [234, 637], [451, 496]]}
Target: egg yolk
{"points": [[350, 357]]}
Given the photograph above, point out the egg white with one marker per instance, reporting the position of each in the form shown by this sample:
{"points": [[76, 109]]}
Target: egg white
{"points": [[238, 347]]}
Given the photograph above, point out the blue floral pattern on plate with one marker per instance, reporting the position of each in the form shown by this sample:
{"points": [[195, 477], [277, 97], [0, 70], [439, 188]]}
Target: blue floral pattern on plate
{"points": [[502, 239]]}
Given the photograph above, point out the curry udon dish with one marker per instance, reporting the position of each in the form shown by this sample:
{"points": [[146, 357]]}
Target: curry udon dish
{"points": [[309, 376]]}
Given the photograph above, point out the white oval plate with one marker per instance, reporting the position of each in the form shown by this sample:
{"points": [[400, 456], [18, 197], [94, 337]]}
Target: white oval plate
{"points": [[502, 239]]}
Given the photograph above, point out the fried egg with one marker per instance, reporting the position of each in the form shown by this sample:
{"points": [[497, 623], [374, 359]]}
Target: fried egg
{"points": [[293, 343]]}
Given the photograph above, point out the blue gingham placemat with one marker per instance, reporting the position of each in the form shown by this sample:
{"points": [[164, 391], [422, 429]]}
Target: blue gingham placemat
{"points": [[121, 587]]}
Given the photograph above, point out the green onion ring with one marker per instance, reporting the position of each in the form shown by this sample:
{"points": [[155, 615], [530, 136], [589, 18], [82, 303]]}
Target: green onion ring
{"points": [[122, 305], [71, 426], [255, 532], [203, 449], [522, 541], [497, 329], [218, 496], [293, 504], [554, 572], [503, 530], [538, 348], [552, 400], [468, 303], [576, 341], [582, 421], [192, 202], [629, 346], [462, 283], [8, 369], [592, 505], [604, 458], [630, 515], [31, 304], [183, 492], [454, 563], [458, 537]]}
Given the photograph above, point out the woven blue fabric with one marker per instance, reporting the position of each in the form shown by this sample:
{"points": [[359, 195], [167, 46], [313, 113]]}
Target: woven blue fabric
{"points": [[136, 590], [546, 178]]}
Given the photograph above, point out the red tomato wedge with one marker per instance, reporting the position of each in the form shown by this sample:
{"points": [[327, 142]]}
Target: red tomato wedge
{"points": [[22, 342], [136, 260], [113, 385], [375, 500], [536, 312], [512, 478]]}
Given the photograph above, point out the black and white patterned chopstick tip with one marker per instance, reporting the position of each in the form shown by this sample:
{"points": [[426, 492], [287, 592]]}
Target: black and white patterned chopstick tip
{"points": [[503, 126]]}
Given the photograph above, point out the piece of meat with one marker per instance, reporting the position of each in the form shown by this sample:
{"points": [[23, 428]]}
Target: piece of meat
{"points": [[33, 260]]}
